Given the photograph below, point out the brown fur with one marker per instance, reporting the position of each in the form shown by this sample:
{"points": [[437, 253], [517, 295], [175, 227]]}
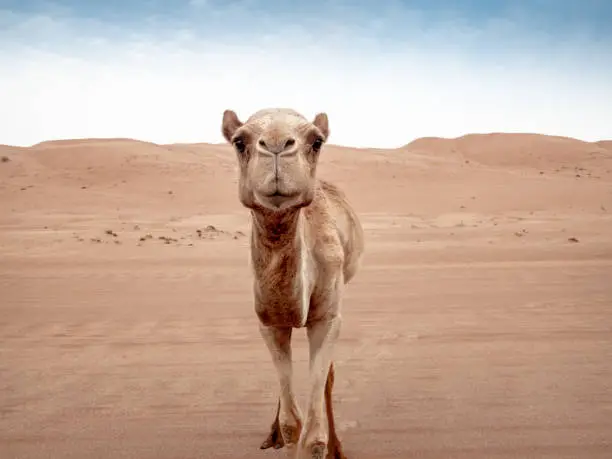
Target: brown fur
{"points": [[306, 244], [334, 447]]}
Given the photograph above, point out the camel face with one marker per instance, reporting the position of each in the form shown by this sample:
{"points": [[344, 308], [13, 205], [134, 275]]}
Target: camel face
{"points": [[277, 151]]}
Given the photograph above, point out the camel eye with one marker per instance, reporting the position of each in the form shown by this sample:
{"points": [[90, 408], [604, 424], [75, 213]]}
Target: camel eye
{"points": [[317, 144], [239, 145]]}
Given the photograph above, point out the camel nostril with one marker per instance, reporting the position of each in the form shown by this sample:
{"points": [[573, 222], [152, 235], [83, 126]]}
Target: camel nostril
{"points": [[276, 145]]}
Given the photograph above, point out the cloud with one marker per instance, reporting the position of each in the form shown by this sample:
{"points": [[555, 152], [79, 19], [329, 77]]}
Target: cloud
{"points": [[169, 81]]}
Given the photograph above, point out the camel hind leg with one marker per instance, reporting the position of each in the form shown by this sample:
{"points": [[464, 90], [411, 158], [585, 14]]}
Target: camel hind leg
{"points": [[334, 447]]}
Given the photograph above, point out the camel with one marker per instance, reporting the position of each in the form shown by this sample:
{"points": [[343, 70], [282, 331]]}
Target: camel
{"points": [[306, 244]]}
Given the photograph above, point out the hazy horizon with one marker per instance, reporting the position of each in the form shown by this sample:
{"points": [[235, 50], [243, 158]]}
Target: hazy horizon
{"points": [[154, 72]]}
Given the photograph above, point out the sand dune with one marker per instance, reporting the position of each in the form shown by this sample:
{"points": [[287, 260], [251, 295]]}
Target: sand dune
{"points": [[531, 151], [479, 327]]}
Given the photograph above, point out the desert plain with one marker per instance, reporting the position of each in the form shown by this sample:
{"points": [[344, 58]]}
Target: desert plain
{"points": [[479, 326]]}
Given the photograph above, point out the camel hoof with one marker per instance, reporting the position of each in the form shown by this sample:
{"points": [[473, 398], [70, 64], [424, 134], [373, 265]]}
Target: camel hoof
{"points": [[274, 440], [317, 450], [291, 434]]}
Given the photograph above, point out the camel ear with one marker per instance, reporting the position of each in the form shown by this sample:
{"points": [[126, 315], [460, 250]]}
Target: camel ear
{"points": [[322, 124], [230, 124]]}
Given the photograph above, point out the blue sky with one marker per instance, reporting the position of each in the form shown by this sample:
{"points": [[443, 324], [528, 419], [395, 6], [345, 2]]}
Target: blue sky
{"points": [[386, 72]]}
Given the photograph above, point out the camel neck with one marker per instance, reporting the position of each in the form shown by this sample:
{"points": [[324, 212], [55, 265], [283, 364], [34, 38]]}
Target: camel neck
{"points": [[276, 230]]}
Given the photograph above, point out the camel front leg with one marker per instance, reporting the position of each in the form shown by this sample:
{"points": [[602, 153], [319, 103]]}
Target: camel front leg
{"points": [[322, 337], [287, 426]]}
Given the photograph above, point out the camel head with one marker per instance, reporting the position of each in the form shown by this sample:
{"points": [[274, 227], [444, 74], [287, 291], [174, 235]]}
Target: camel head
{"points": [[277, 152]]}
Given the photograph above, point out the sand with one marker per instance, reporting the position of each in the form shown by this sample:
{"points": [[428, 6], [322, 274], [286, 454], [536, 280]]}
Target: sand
{"points": [[480, 325]]}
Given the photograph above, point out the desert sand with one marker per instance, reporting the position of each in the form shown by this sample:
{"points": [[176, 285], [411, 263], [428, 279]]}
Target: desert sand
{"points": [[480, 325]]}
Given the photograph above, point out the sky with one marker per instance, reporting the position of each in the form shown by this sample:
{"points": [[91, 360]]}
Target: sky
{"points": [[385, 72]]}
